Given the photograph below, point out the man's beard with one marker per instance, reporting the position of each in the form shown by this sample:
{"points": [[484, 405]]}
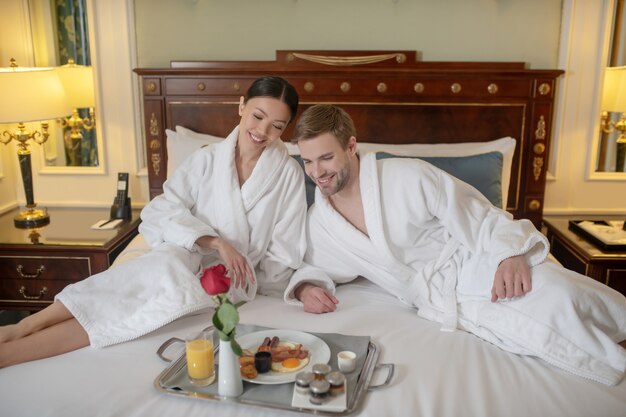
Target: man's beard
{"points": [[341, 180]]}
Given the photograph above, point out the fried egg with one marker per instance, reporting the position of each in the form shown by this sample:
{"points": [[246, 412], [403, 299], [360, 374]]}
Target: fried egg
{"points": [[290, 364]]}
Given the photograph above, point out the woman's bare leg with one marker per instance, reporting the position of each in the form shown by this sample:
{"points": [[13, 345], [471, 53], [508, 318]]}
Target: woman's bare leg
{"points": [[49, 316], [53, 340]]}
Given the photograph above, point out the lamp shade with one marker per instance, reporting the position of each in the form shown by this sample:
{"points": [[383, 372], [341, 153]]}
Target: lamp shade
{"points": [[78, 83], [31, 94], [614, 91]]}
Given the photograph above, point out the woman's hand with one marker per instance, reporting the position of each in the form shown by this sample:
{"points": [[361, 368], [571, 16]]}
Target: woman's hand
{"points": [[236, 264], [512, 278]]}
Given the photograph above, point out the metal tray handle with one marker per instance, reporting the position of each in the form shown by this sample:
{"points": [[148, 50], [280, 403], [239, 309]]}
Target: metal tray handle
{"points": [[390, 370], [173, 340], [167, 344]]}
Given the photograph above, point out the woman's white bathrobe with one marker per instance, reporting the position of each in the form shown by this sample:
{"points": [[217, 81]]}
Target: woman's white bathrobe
{"points": [[264, 220], [435, 242]]}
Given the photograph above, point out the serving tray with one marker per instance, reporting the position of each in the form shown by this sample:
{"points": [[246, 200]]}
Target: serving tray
{"points": [[601, 233], [173, 380]]}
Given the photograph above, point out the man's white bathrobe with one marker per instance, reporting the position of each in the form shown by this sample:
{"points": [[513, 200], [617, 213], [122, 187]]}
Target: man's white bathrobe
{"points": [[264, 220], [435, 242]]}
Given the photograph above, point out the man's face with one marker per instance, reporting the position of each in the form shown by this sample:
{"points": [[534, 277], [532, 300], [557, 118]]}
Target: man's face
{"points": [[326, 162]]}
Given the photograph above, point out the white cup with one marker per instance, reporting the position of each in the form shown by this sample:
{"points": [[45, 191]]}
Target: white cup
{"points": [[346, 361]]}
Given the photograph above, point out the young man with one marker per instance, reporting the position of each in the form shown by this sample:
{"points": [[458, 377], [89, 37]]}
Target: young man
{"points": [[436, 243]]}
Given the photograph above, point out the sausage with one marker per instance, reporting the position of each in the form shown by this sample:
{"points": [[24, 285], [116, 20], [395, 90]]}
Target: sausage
{"points": [[274, 342]]}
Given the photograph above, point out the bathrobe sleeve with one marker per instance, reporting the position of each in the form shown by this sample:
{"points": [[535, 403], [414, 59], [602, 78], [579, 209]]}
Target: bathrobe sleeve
{"points": [[321, 250], [169, 217], [468, 216], [288, 240]]}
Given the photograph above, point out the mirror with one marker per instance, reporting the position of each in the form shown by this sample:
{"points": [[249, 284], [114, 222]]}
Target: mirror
{"points": [[611, 153], [60, 37]]}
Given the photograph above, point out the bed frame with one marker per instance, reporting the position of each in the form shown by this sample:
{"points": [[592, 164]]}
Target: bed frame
{"points": [[391, 96]]}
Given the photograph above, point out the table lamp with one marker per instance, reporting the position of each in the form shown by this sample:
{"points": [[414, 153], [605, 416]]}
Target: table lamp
{"points": [[27, 95], [78, 83], [614, 100]]}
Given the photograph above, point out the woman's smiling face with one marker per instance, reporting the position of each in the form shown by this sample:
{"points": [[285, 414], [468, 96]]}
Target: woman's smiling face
{"points": [[263, 120]]}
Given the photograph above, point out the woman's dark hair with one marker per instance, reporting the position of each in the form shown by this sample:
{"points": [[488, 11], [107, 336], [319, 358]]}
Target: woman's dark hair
{"points": [[275, 87]]}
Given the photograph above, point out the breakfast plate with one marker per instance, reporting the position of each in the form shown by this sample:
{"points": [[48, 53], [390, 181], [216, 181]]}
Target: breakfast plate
{"points": [[319, 352]]}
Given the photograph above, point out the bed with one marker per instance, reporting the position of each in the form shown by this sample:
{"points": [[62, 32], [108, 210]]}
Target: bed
{"points": [[401, 107]]}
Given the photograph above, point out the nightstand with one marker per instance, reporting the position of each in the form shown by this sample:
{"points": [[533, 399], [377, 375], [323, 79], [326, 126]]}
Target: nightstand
{"points": [[580, 255], [35, 264]]}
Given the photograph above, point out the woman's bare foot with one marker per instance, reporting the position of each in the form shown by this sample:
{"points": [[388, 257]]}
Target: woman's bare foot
{"points": [[18, 330], [9, 332], [53, 314]]}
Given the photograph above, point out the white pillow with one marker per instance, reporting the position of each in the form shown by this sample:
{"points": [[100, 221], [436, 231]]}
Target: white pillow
{"points": [[506, 146], [292, 148], [182, 143]]}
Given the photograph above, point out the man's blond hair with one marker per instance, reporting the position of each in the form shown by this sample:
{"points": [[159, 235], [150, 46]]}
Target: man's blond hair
{"points": [[325, 118]]}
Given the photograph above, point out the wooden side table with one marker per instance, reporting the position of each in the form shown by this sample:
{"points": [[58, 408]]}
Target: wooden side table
{"points": [[582, 256], [35, 264]]}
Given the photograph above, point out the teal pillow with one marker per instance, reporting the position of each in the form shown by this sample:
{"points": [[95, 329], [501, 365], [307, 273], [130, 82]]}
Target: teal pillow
{"points": [[309, 185], [483, 171]]}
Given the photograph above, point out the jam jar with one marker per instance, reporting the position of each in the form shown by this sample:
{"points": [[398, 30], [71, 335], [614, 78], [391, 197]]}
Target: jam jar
{"points": [[303, 380], [320, 370], [319, 391], [337, 382]]}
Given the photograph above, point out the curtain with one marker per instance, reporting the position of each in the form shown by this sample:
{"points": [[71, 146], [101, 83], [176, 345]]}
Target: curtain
{"points": [[73, 43]]}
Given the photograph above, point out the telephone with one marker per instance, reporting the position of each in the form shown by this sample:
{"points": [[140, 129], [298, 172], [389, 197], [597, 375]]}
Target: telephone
{"points": [[121, 204]]}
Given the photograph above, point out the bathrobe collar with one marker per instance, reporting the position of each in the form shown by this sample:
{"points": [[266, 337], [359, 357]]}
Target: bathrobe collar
{"points": [[237, 201]]}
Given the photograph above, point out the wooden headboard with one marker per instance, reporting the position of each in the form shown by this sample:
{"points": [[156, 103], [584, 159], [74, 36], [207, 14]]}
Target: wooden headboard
{"points": [[392, 98]]}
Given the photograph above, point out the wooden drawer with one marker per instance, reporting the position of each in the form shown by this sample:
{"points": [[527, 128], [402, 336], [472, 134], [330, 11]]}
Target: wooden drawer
{"points": [[44, 268], [567, 257], [191, 86], [416, 88], [616, 279], [30, 291]]}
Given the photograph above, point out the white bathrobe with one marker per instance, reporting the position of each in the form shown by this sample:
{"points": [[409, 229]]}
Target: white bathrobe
{"points": [[264, 220], [435, 242]]}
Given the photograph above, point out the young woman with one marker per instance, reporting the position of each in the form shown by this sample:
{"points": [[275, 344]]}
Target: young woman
{"points": [[240, 202]]}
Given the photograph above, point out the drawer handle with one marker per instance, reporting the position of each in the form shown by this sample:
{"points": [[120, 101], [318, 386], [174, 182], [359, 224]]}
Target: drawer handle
{"points": [[42, 292], [20, 269]]}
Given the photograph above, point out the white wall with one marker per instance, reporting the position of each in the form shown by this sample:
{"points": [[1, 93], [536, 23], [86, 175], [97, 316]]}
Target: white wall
{"points": [[118, 118], [15, 28], [575, 186], [460, 30], [483, 30]]}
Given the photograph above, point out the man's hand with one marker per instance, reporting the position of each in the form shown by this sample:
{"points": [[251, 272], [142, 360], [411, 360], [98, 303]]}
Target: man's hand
{"points": [[512, 279], [315, 299], [236, 264]]}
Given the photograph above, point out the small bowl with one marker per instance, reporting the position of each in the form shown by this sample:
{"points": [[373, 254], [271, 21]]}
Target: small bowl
{"points": [[346, 360]]}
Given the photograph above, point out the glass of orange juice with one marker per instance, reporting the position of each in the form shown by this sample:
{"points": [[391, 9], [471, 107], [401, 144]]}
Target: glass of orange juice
{"points": [[200, 358]]}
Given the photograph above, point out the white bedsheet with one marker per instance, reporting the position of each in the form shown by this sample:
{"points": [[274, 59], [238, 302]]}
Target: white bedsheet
{"points": [[437, 373]]}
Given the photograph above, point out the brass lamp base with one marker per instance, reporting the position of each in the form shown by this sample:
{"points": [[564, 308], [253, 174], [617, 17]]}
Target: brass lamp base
{"points": [[31, 217]]}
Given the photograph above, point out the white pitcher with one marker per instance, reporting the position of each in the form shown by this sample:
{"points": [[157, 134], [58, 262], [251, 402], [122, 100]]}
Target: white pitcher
{"points": [[229, 375]]}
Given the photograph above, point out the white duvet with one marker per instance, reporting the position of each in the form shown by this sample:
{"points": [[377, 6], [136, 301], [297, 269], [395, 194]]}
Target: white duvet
{"points": [[437, 373]]}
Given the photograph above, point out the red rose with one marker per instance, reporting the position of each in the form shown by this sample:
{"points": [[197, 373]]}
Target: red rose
{"points": [[214, 280]]}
